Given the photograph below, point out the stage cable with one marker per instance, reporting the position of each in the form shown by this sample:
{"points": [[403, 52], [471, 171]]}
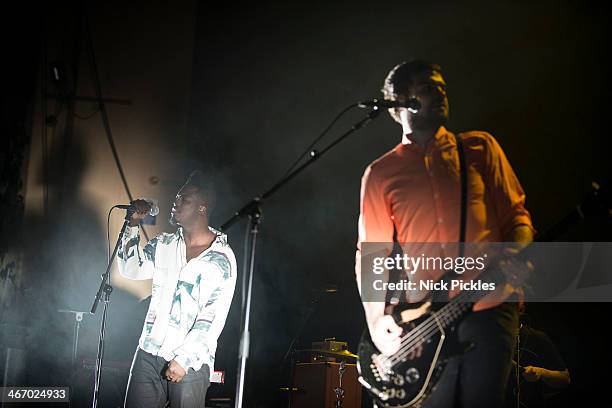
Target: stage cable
{"points": [[103, 112], [43, 118]]}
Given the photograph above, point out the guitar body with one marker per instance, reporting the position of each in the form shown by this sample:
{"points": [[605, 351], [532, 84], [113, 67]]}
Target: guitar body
{"points": [[405, 379]]}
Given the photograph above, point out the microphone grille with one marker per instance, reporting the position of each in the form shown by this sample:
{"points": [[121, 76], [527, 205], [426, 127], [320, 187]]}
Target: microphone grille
{"points": [[154, 210]]}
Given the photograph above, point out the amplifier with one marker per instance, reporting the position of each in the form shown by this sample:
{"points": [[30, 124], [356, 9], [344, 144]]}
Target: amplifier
{"points": [[316, 383]]}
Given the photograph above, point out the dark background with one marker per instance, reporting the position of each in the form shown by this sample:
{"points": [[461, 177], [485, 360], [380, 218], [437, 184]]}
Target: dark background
{"points": [[267, 78]]}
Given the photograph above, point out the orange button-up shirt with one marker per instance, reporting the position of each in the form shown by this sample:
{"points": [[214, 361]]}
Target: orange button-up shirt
{"points": [[418, 191]]}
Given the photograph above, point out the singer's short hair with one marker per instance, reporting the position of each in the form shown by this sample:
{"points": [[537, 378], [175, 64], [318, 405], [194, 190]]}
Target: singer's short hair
{"points": [[205, 186], [401, 77]]}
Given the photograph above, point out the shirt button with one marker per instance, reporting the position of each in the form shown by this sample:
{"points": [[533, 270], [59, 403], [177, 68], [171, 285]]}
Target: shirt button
{"points": [[443, 246], [436, 195], [440, 220]]}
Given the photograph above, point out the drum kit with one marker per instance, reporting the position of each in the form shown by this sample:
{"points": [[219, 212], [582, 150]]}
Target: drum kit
{"points": [[317, 355]]}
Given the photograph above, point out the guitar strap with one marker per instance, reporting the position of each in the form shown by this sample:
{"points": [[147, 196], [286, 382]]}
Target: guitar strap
{"points": [[443, 296], [462, 225], [463, 215]]}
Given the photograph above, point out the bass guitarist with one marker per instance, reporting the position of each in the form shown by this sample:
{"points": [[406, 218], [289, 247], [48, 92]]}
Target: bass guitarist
{"points": [[413, 194]]}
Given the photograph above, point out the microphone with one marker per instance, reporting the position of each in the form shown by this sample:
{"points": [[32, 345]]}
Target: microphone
{"points": [[153, 208], [412, 104]]}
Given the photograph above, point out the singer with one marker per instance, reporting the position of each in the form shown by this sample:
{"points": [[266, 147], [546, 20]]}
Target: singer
{"points": [[193, 272], [414, 191]]}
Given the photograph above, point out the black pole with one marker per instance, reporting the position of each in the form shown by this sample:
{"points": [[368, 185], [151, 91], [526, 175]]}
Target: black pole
{"points": [[106, 289], [247, 282]]}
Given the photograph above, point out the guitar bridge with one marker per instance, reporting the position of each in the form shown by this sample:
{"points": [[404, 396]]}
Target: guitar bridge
{"points": [[381, 368]]}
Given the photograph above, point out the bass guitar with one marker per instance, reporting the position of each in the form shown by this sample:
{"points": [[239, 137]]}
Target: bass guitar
{"points": [[406, 378]]}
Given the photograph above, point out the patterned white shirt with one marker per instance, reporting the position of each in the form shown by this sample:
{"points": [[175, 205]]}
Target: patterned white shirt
{"points": [[190, 300]]}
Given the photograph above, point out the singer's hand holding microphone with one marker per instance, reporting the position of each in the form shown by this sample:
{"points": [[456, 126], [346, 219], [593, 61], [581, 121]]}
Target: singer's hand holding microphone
{"points": [[141, 208]]}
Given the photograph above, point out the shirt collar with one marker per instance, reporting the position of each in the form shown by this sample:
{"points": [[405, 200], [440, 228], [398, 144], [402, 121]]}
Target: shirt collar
{"points": [[220, 238], [440, 138]]}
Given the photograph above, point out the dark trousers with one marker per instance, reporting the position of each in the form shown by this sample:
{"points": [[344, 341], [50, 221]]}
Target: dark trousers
{"points": [[149, 388], [479, 377]]}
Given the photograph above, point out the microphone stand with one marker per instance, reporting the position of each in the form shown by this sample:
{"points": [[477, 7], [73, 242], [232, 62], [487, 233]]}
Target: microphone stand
{"points": [[253, 210], [106, 289]]}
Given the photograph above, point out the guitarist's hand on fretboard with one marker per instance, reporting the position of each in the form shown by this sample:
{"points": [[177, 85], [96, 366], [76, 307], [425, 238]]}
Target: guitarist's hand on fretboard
{"points": [[515, 272], [532, 374], [502, 292]]}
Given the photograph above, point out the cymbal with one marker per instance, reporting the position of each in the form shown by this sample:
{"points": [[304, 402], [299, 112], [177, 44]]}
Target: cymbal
{"points": [[343, 353]]}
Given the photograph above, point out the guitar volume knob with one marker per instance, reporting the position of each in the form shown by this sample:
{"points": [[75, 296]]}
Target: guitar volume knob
{"points": [[398, 380], [412, 375]]}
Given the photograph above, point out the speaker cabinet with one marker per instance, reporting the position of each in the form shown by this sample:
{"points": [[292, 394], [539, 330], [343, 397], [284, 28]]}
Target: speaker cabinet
{"points": [[315, 384]]}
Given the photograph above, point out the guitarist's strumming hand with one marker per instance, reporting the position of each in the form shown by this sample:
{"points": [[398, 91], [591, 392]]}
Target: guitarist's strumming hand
{"points": [[386, 334]]}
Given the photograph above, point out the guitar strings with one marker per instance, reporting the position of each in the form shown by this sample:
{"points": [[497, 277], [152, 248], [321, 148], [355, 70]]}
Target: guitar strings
{"points": [[428, 327], [414, 337], [418, 335]]}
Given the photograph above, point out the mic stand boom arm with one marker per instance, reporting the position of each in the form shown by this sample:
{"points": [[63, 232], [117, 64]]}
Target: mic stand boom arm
{"points": [[253, 210]]}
